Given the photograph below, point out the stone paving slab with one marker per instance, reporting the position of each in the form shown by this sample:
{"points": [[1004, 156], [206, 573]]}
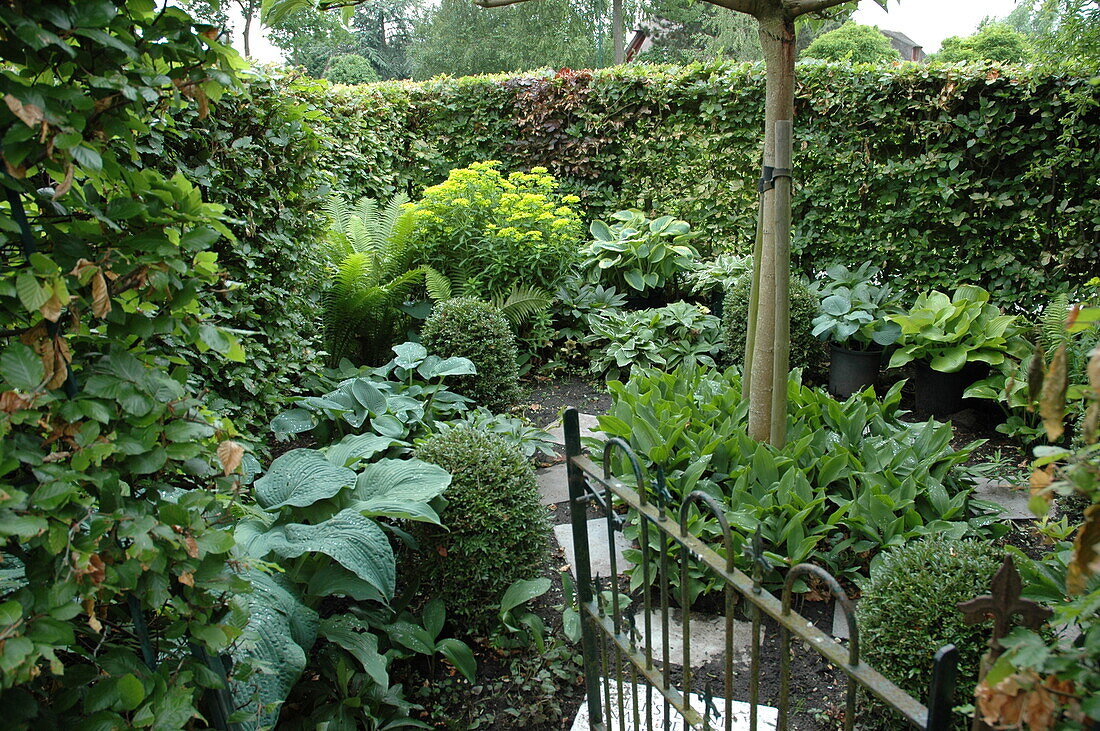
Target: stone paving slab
{"points": [[707, 633], [767, 717], [1012, 499], [553, 484], [598, 547], [590, 427], [840, 625]]}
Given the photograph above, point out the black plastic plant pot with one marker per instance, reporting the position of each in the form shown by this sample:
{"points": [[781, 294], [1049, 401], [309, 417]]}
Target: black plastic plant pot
{"points": [[852, 370], [941, 394]]}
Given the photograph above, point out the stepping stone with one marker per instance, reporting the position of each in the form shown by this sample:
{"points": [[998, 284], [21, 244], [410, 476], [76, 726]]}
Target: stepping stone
{"points": [[766, 716], [590, 427], [599, 549], [553, 484], [708, 637], [1012, 499], [840, 625]]}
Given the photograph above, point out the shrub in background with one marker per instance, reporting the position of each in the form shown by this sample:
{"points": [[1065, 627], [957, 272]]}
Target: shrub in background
{"points": [[908, 611], [350, 68], [490, 233], [853, 43], [496, 527], [468, 328], [807, 352]]}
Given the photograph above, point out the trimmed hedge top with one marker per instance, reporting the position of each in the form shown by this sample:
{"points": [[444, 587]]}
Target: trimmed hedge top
{"points": [[939, 174]]}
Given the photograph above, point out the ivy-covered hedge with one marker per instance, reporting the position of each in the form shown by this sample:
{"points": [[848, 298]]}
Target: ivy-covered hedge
{"points": [[259, 156], [938, 174]]}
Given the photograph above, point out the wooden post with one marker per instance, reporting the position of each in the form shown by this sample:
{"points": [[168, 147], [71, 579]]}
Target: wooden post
{"points": [[781, 365]]}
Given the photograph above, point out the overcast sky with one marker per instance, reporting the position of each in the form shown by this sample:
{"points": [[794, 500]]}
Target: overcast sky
{"points": [[927, 22]]}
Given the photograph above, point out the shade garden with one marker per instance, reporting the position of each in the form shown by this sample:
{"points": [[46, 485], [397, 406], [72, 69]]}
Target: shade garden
{"points": [[277, 358]]}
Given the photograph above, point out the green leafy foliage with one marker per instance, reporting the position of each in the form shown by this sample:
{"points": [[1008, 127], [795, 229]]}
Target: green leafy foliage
{"points": [[853, 43], [853, 478], [518, 431], [854, 309], [268, 275], [950, 331], [350, 68], [369, 256], [496, 524], [639, 255], [467, 328], [666, 338], [941, 176], [115, 604], [909, 610], [806, 351], [993, 42], [490, 233], [382, 408]]}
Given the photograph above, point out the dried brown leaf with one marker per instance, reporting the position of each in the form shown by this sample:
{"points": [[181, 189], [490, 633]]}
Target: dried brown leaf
{"points": [[11, 401], [1052, 406], [1086, 552], [16, 171], [204, 102], [31, 115], [51, 310], [187, 577], [67, 183], [93, 621], [230, 454], [101, 297]]}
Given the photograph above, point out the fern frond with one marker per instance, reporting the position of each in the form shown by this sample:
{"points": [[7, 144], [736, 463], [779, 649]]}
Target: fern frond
{"points": [[439, 287], [522, 303], [387, 217], [1052, 324]]}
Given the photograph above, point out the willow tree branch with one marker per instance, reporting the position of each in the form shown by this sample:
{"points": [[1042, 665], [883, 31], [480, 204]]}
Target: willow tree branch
{"points": [[804, 7]]}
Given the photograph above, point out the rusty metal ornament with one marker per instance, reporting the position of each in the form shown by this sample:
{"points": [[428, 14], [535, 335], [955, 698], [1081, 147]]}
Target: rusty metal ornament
{"points": [[1002, 604]]}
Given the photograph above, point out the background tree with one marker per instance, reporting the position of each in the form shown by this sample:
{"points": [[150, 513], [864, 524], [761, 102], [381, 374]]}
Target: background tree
{"points": [[459, 38], [350, 68], [993, 42], [214, 12], [854, 43]]}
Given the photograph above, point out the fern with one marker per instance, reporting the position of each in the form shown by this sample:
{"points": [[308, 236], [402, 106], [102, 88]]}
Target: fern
{"points": [[522, 304], [1052, 324]]}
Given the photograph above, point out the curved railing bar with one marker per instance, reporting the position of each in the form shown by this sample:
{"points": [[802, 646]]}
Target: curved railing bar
{"points": [[849, 609], [635, 466]]}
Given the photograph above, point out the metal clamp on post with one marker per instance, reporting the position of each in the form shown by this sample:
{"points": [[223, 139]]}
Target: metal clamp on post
{"points": [[767, 178]]}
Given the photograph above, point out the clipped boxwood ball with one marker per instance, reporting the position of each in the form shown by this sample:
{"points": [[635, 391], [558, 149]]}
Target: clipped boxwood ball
{"points": [[807, 352], [908, 612], [469, 328], [496, 531]]}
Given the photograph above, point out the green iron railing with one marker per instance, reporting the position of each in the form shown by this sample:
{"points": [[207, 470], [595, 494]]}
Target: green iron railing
{"points": [[614, 658]]}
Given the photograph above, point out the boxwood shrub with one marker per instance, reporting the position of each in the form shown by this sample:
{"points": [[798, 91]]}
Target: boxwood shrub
{"points": [[908, 611], [807, 352], [469, 328], [496, 526]]}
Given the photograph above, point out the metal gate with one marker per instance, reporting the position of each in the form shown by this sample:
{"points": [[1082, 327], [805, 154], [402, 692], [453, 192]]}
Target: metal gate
{"points": [[630, 688]]}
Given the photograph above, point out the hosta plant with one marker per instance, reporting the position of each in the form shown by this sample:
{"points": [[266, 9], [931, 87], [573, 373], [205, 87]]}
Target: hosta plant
{"points": [[948, 332], [317, 522], [852, 478], [400, 400], [667, 337], [854, 309], [640, 255]]}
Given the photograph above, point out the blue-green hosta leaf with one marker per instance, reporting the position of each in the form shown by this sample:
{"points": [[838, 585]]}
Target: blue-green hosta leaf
{"points": [[367, 394], [435, 367], [402, 479], [380, 507], [294, 421], [600, 231], [301, 477], [334, 580], [390, 426], [354, 635], [279, 632], [356, 447], [356, 542], [409, 355]]}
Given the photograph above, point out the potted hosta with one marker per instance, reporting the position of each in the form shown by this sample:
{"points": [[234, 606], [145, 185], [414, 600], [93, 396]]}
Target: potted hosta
{"points": [[852, 320], [953, 340]]}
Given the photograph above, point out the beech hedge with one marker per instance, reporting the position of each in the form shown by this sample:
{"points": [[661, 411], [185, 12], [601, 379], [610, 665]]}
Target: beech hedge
{"points": [[938, 174]]}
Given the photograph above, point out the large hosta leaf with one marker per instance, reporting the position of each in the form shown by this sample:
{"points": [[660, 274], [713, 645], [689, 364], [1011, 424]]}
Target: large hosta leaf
{"points": [[279, 632], [356, 542], [402, 479], [356, 447], [301, 477]]}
